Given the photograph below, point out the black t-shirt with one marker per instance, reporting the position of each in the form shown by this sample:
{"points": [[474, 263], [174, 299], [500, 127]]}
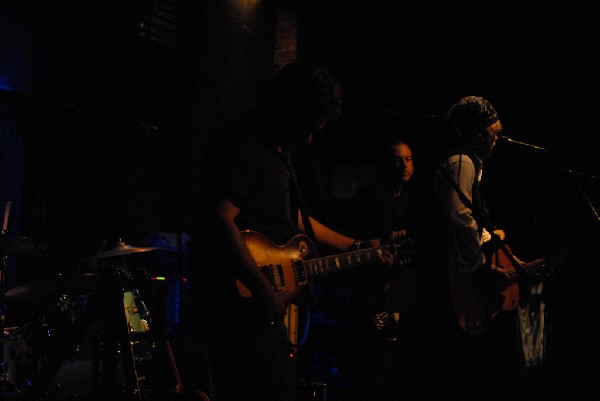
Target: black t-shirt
{"points": [[377, 213], [253, 177]]}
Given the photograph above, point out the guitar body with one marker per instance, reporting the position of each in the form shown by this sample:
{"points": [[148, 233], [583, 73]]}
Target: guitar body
{"points": [[291, 266], [474, 299], [468, 299], [511, 291], [276, 261]]}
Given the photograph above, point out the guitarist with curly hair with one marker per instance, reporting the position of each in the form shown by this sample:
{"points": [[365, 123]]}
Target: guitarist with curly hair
{"points": [[247, 183]]}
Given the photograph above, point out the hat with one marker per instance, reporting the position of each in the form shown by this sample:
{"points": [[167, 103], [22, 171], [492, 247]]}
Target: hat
{"points": [[473, 113]]}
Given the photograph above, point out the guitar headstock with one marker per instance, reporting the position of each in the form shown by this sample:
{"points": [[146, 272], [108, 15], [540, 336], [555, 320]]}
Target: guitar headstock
{"points": [[403, 248], [403, 244]]}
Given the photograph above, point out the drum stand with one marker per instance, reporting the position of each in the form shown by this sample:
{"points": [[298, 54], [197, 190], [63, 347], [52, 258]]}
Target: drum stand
{"points": [[129, 330], [3, 270], [116, 341]]}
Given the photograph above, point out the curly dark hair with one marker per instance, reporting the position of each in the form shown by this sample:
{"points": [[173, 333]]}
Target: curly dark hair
{"points": [[302, 95]]}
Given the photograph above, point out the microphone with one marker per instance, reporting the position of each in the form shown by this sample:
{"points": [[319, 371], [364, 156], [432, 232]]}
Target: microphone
{"points": [[527, 145]]}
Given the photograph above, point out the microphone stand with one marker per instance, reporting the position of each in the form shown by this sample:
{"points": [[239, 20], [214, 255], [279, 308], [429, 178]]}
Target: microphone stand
{"points": [[540, 149], [588, 202], [572, 175]]}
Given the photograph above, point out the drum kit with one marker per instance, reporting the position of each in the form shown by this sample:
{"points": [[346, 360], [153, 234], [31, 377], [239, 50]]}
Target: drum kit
{"points": [[89, 336]]}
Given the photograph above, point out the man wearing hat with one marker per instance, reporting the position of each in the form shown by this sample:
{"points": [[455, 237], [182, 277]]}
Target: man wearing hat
{"points": [[474, 128]]}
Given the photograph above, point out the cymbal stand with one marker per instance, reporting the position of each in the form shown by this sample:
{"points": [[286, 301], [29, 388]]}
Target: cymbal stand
{"points": [[120, 333], [116, 337], [3, 270]]}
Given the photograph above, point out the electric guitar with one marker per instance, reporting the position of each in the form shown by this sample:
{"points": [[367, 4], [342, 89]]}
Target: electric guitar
{"points": [[474, 300], [292, 266]]}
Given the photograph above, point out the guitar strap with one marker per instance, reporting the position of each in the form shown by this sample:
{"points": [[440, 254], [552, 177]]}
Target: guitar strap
{"points": [[468, 203], [485, 221], [308, 228]]}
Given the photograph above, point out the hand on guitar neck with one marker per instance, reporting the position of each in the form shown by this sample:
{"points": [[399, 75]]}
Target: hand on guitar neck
{"points": [[499, 274], [385, 257], [496, 275]]}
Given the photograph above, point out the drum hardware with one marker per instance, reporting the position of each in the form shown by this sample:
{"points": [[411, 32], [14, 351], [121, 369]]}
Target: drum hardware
{"points": [[4, 247], [18, 244], [127, 353], [127, 346], [16, 366], [48, 291], [136, 312], [59, 343], [24, 245], [151, 352], [119, 250]]}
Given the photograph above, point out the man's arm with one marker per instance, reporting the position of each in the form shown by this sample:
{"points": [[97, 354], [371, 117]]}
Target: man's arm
{"points": [[333, 239], [246, 269], [325, 235], [462, 226]]}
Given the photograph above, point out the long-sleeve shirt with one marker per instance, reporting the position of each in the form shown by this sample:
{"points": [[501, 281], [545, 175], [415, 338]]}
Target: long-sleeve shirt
{"points": [[457, 218]]}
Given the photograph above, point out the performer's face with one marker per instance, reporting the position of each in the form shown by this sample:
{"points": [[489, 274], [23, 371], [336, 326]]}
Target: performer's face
{"points": [[488, 139], [404, 161]]}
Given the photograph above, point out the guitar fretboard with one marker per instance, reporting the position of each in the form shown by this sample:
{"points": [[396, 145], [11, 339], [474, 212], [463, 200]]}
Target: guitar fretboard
{"points": [[533, 270], [329, 264], [308, 269]]}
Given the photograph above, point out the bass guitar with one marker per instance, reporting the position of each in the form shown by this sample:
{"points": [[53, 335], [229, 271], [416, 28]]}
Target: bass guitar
{"points": [[292, 266]]}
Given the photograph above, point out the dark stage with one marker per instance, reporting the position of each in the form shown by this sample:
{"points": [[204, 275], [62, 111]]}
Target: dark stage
{"points": [[106, 107]]}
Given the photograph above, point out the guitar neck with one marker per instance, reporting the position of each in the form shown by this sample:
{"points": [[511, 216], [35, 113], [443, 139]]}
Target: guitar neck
{"points": [[323, 266], [533, 270]]}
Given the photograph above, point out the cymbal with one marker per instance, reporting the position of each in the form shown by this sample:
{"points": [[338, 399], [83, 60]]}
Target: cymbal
{"points": [[26, 293], [121, 249], [24, 245], [79, 284]]}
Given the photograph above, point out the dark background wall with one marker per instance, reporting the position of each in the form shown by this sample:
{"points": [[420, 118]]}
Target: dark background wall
{"points": [[120, 107], [533, 62]]}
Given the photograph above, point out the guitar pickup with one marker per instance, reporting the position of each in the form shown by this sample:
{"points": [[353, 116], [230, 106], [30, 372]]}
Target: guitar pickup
{"points": [[301, 278], [274, 274], [279, 278]]}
